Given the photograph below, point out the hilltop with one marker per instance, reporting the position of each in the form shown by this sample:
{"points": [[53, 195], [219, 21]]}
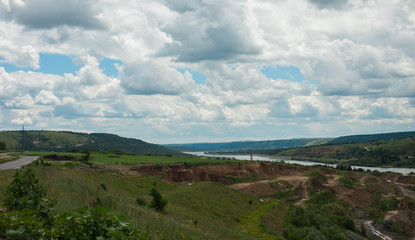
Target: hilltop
{"points": [[65, 141], [287, 143], [254, 145]]}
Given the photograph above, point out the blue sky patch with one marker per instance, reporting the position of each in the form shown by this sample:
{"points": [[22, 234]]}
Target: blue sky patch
{"points": [[57, 64], [198, 77], [290, 73], [108, 66]]}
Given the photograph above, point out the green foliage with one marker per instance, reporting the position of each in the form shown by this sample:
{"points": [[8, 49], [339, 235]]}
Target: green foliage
{"points": [[317, 175], [25, 191], [323, 197], [141, 202], [387, 204], [347, 182], [81, 224], [2, 146], [66, 141], [85, 159], [395, 152], [303, 223], [31, 216], [158, 202]]}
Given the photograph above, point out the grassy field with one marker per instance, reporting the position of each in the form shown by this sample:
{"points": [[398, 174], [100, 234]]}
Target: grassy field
{"points": [[198, 211], [112, 158]]}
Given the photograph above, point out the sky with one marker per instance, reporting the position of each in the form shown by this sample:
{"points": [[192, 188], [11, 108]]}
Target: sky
{"points": [[209, 70]]}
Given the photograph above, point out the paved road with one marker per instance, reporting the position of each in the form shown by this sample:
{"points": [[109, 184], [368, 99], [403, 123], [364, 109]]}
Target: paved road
{"points": [[23, 160]]}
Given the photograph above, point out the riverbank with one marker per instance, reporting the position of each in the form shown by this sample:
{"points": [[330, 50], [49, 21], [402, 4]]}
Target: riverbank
{"points": [[289, 160]]}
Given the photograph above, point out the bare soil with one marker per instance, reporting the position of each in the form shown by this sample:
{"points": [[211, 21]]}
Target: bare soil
{"points": [[282, 177]]}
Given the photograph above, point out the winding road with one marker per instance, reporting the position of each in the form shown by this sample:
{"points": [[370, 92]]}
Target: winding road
{"points": [[23, 160]]}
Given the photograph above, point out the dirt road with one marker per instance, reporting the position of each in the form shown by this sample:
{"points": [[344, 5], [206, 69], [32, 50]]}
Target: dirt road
{"points": [[23, 160]]}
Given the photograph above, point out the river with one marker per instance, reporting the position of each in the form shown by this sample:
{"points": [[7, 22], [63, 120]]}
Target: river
{"points": [[305, 163]]}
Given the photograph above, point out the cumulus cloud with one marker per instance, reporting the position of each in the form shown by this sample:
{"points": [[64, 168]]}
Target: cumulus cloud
{"points": [[47, 98], [357, 58], [210, 31], [335, 4], [43, 14], [154, 77]]}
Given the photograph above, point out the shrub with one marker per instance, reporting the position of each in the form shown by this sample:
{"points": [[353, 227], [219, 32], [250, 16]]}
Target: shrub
{"points": [[83, 223], [141, 202], [25, 191], [158, 202]]}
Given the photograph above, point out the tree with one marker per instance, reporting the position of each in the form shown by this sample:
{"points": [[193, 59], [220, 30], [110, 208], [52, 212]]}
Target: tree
{"points": [[85, 159], [2, 146], [158, 202]]}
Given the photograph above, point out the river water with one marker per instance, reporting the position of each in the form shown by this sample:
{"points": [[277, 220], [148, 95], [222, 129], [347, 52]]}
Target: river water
{"points": [[305, 163]]}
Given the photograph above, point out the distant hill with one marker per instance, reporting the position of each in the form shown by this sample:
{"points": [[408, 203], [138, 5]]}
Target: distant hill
{"points": [[243, 146], [66, 141], [248, 145], [372, 137]]}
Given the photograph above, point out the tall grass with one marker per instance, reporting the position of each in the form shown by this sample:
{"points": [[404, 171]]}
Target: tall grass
{"points": [[198, 211]]}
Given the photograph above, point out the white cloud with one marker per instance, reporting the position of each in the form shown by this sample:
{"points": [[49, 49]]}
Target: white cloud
{"points": [[357, 58], [47, 98], [154, 77], [50, 13]]}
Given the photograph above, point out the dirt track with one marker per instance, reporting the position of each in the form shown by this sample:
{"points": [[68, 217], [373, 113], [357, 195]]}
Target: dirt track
{"points": [[23, 160]]}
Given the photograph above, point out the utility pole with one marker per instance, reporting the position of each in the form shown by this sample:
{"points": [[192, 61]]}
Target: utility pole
{"points": [[23, 138], [38, 144]]}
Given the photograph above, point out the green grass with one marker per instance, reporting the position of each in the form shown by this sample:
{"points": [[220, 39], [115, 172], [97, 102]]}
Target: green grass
{"points": [[6, 158], [217, 209], [348, 182], [112, 158], [316, 175], [161, 160]]}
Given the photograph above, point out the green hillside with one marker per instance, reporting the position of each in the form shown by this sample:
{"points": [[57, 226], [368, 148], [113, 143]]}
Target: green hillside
{"points": [[397, 152], [73, 141], [244, 145], [372, 137]]}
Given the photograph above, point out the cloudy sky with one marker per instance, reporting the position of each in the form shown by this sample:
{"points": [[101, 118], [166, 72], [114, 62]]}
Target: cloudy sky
{"points": [[209, 70]]}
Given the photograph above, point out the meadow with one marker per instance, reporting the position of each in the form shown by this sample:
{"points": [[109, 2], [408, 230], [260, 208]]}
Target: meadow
{"points": [[204, 210]]}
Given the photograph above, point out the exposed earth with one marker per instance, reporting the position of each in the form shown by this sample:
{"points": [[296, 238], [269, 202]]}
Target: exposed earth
{"points": [[360, 190]]}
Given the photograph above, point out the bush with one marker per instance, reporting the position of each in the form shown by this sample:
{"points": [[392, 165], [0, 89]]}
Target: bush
{"points": [[303, 223], [158, 202], [30, 216], [85, 159], [141, 202], [81, 224], [25, 191]]}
